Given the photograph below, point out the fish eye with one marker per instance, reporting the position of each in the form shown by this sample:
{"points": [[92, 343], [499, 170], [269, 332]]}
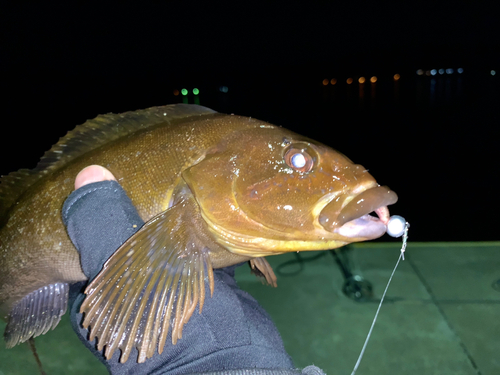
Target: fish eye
{"points": [[299, 159]]}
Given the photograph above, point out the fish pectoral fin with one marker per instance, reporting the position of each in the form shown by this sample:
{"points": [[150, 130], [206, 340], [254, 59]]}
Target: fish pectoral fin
{"points": [[153, 281], [261, 267], [36, 313]]}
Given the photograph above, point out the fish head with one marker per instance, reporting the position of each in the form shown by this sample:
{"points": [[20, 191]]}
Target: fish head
{"points": [[270, 191]]}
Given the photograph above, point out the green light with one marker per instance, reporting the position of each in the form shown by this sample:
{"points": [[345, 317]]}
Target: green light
{"points": [[184, 92], [196, 91]]}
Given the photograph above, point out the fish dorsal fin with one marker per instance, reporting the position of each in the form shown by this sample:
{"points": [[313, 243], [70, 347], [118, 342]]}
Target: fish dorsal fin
{"points": [[89, 136]]}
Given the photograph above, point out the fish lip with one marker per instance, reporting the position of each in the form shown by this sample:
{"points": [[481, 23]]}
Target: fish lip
{"points": [[366, 227], [354, 219]]}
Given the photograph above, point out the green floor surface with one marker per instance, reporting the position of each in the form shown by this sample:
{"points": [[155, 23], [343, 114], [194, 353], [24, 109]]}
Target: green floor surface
{"points": [[441, 314]]}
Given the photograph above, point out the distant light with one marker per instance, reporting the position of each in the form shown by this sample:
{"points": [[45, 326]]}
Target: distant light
{"points": [[373, 79], [397, 77], [441, 71], [176, 92], [184, 92], [361, 80], [427, 72], [333, 81], [349, 81], [449, 71], [196, 91], [223, 89], [325, 82], [493, 72], [420, 72], [460, 70], [433, 72]]}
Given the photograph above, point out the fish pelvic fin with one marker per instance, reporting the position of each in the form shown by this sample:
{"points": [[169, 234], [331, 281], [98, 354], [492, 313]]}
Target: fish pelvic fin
{"points": [[261, 268], [36, 313], [151, 284]]}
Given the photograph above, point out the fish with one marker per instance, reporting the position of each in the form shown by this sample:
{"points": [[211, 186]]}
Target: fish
{"points": [[213, 189]]}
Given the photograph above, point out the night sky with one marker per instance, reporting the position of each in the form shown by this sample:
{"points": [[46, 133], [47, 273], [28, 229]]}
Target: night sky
{"points": [[432, 140]]}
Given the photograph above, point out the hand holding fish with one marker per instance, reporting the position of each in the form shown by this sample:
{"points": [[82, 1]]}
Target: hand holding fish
{"points": [[237, 332], [93, 173]]}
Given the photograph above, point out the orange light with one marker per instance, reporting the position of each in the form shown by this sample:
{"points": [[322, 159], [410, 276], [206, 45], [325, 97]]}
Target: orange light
{"points": [[325, 82], [397, 77], [373, 79], [176, 92], [333, 81], [361, 80], [349, 81]]}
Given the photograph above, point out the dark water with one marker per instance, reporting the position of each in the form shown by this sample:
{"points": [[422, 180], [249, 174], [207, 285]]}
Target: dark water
{"points": [[430, 138]]}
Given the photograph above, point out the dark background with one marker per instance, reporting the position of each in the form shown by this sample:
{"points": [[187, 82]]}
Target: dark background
{"points": [[432, 139]]}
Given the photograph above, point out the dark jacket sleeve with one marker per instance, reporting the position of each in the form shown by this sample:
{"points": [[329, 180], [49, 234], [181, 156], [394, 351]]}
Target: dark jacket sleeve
{"points": [[233, 332]]}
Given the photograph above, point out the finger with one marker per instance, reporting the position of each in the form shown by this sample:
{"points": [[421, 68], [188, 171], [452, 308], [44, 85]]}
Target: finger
{"points": [[92, 173]]}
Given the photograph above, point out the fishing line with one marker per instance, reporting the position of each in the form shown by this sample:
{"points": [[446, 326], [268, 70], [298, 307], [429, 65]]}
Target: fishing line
{"points": [[396, 227]]}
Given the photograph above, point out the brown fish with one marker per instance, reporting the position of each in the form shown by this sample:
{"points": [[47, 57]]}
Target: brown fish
{"points": [[214, 190]]}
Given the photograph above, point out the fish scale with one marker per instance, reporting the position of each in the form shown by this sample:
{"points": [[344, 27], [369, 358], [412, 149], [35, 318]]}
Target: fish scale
{"points": [[214, 190]]}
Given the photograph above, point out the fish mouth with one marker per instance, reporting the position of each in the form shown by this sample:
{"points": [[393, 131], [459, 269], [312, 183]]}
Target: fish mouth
{"points": [[354, 220]]}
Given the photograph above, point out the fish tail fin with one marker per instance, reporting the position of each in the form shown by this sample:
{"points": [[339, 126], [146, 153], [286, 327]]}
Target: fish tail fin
{"points": [[36, 313]]}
